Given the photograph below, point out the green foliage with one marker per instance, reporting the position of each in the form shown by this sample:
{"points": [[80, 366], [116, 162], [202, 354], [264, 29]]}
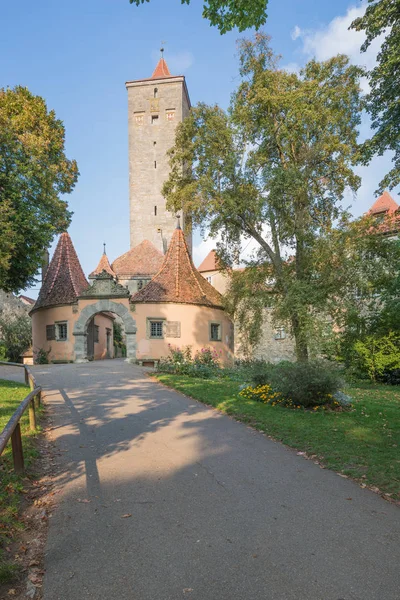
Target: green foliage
{"points": [[117, 334], [306, 384], [34, 174], [274, 169], [3, 353], [205, 363], [41, 356], [374, 356], [383, 101], [228, 14], [15, 335]]}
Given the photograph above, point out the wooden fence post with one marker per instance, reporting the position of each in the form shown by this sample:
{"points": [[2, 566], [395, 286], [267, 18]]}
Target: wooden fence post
{"points": [[38, 400], [18, 455], [26, 376], [32, 415]]}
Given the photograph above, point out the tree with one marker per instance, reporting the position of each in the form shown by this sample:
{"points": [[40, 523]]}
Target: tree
{"points": [[15, 335], [227, 14], [274, 169], [34, 173], [383, 101]]}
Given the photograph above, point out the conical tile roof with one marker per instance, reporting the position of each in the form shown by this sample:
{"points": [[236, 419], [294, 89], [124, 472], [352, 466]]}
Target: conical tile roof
{"points": [[142, 260], [178, 280], [64, 280], [161, 70], [104, 265]]}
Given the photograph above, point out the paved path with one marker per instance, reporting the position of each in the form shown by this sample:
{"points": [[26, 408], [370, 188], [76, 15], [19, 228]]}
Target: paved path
{"points": [[218, 511]]}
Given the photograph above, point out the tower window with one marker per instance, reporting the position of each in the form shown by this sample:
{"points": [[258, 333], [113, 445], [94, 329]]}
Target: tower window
{"points": [[155, 211], [154, 119], [155, 164], [154, 143], [155, 92]]}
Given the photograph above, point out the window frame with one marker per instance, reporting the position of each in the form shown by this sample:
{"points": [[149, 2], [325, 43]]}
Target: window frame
{"points": [[210, 329], [59, 324], [96, 334], [150, 321], [51, 332]]}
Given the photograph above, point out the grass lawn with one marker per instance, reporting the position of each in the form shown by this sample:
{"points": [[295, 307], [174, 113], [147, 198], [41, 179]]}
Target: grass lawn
{"points": [[363, 444], [12, 485]]}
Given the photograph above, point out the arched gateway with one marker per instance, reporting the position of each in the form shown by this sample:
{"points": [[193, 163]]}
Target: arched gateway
{"points": [[103, 296]]}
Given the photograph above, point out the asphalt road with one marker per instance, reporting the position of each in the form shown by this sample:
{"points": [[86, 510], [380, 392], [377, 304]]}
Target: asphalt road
{"points": [[185, 503]]}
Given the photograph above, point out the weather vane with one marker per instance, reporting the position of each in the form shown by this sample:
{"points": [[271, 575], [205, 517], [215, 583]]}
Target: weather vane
{"points": [[104, 247], [162, 48]]}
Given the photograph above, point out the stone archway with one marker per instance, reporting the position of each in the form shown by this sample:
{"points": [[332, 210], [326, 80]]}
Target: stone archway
{"points": [[104, 305]]}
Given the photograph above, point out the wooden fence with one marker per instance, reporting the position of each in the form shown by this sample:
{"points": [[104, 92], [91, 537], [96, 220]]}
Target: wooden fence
{"points": [[12, 429]]}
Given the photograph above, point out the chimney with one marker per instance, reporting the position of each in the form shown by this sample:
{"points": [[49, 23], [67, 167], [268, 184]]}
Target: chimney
{"points": [[45, 264]]}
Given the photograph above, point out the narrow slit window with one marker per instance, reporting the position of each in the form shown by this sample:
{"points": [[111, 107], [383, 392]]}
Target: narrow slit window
{"points": [[154, 143], [155, 211], [155, 92], [155, 164], [154, 119]]}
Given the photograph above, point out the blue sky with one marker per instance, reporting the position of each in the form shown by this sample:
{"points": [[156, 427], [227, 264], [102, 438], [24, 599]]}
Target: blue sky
{"points": [[78, 55]]}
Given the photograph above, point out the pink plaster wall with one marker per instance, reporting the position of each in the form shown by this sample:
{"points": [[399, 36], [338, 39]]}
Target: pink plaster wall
{"points": [[60, 350], [100, 348], [49, 316], [194, 321]]}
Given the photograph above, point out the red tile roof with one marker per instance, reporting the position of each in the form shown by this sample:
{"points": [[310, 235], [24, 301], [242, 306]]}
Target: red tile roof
{"points": [[27, 300], [178, 280], [143, 259], [64, 280], [210, 263], [384, 203], [161, 70], [104, 265]]}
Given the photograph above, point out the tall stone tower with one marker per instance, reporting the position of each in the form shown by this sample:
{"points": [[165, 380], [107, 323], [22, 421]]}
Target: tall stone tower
{"points": [[155, 106]]}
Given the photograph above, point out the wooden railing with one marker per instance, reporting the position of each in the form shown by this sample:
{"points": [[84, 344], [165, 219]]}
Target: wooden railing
{"points": [[12, 429]]}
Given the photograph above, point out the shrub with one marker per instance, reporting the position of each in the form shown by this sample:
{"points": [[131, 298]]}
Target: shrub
{"points": [[41, 356], [377, 357], [204, 364], [255, 371], [305, 384], [15, 335]]}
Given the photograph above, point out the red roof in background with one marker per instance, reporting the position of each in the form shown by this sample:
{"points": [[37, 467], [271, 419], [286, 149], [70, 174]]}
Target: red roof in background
{"points": [[27, 300], [161, 70], [143, 259], [64, 280], [104, 265], [210, 263], [178, 280], [384, 203]]}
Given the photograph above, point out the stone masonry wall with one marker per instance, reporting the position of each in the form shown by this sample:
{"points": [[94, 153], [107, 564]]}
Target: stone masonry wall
{"points": [[155, 107]]}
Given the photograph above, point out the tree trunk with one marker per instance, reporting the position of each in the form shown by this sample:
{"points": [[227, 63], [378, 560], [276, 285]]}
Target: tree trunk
{"points": [[300, 341]]}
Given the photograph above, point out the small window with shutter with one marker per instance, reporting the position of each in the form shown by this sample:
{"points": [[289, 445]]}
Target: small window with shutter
{"points": [[50, 332]]}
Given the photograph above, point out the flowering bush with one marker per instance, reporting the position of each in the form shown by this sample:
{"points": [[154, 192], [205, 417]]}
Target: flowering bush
{"points": [[207, 356], [180, 361]]}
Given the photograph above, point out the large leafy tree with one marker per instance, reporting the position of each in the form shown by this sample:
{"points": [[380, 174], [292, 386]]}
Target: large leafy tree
{"points": [[34, 173], [274, 169], [383, 17], [228, 14]]}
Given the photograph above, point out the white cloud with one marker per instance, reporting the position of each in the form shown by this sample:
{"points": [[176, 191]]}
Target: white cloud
{"points": [[336, 38], [178, 63], [295, 33]]}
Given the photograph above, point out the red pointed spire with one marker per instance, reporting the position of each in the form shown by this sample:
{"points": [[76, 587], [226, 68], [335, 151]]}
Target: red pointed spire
{"points": [[104, 265], [178, 280], [64, 280], [384, 203], [161, 70]]}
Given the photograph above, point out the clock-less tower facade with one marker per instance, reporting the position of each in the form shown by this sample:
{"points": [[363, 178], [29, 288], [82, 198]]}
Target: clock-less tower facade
{"points": [[155, 107]]}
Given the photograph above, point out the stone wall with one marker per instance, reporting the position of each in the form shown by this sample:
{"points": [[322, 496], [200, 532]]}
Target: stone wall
{"points": [[155, 107], [271, 347]]}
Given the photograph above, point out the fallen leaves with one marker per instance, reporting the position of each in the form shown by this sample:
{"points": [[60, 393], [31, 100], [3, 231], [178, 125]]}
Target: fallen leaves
{"points": [[126, 516]]}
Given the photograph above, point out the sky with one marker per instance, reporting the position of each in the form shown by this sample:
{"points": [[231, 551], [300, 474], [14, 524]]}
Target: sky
{"points": [[78, 55]]}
